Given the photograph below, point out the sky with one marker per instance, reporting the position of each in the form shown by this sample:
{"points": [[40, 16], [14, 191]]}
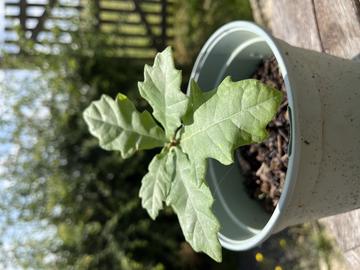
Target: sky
{"points": [[8, 234], [2, 23], [17, 84], [19, 231], [15, 80]]}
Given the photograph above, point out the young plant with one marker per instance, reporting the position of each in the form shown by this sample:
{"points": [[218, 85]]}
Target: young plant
{"points": [[193, 128]]}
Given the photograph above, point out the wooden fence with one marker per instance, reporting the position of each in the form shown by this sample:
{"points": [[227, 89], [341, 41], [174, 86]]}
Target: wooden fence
{"points": [[137, 28]]}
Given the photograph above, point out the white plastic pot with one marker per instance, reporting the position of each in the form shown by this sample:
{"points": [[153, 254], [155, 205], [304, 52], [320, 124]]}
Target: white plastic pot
{"points": [[323, 176]]}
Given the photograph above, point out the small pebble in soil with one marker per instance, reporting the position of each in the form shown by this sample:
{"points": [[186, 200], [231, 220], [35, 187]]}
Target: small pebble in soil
{"points": [[264, 165]]}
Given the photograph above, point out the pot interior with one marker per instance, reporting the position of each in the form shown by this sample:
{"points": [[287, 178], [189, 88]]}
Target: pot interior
{"points": [[236, 53]]}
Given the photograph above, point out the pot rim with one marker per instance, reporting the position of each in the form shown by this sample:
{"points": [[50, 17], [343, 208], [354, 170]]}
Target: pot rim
{"points": [[294, 145]]}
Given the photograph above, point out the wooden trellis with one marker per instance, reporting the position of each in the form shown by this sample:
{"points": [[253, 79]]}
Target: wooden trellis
{"points": [[138, 28]]}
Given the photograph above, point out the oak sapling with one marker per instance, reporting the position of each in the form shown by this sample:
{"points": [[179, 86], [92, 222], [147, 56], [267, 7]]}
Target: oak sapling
{"points": [[192, 128]]}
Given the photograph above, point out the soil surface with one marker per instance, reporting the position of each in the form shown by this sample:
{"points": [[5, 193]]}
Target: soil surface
{"points": [[264, 165]]}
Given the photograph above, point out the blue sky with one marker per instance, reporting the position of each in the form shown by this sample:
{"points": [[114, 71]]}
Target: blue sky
{"points": [[19, 232], [17, 84], [15, 80], [9, 234]]}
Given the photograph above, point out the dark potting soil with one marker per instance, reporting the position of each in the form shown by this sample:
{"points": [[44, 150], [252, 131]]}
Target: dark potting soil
{"points": [[264, 165]]}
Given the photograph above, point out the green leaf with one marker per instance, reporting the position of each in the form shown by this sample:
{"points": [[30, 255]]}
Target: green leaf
{"points": [[196, 98], [119, 126], [236, 115], [155, 185], [161, 88], [192, 204]]}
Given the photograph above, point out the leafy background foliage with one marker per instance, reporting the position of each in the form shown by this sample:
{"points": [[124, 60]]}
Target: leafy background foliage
{"points": [[89, 195], [196, 20]]}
